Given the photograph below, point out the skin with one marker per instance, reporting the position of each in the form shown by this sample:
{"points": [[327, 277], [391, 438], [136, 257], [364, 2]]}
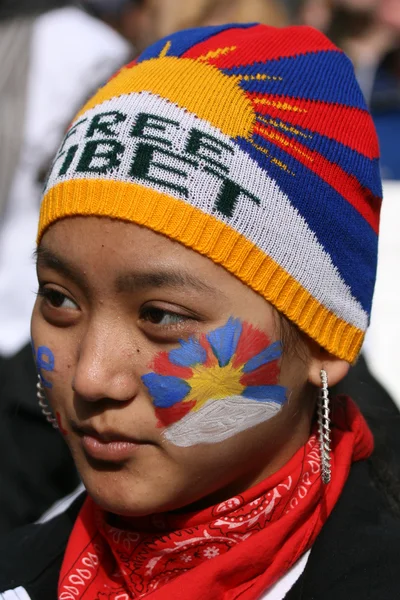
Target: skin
{"points": [[105, 318], [145, 22], [388, 12]]}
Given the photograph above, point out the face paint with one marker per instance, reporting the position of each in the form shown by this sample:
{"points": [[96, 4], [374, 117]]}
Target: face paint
{"points": [[211, 388], [45, 362], [60, 425]]}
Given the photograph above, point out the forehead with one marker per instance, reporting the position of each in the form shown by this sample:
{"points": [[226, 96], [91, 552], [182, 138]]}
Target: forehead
{"points": [[112, 256], [108, 257], [99, 245], [81, 236]]}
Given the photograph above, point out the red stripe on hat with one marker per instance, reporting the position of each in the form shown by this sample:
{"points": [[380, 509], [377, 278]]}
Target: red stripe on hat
{"points": [[350, 126], [346, 185], [290, 41]]}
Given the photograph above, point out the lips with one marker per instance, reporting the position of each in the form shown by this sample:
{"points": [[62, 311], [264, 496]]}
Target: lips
{"points": [[108, 445]]}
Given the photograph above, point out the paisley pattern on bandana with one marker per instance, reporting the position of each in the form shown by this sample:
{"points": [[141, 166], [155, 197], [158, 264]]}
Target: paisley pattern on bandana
{"points": [[217, 385], [153, 551]]}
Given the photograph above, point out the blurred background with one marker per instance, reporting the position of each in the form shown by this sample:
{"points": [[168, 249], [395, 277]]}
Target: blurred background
{"points": [[53, 56]]}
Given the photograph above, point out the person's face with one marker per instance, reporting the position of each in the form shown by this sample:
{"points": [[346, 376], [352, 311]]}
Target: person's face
{"points": [[389, 14], [125, 319], [316, 13]]}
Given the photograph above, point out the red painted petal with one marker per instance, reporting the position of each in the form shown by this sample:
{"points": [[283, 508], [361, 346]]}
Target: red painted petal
{"points": [[265, 375], [251, 342], [167, 416], [211, 359], [163, 366], [60, 425]]}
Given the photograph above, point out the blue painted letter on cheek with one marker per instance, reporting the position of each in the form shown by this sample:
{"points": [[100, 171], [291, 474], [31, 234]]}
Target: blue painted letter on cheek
{"points": [[45, 362]]}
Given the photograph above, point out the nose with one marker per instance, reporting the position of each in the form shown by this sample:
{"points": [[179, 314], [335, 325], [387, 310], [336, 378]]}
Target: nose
{"points": [[106, 366]]}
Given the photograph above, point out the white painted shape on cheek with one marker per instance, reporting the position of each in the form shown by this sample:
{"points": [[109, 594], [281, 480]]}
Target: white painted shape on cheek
{"points": [[219, 420]]}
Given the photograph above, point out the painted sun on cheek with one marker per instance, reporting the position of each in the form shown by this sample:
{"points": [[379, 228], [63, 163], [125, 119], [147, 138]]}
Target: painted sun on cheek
{"points": [[214, 387]]}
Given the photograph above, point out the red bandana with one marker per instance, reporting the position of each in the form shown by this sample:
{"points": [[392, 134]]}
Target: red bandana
{"points": [[238, 548]]}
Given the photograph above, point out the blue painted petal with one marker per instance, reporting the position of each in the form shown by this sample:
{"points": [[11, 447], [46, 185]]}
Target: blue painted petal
{"points": [[190, 353], [45, 383], [45, 358], [224, 340], [266, 393], [165, 390], [273, 352]]}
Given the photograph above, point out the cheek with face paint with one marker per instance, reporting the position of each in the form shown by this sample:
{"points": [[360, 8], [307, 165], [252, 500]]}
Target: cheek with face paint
{"points": [[60, 425], [44, 359], [216, 386]]}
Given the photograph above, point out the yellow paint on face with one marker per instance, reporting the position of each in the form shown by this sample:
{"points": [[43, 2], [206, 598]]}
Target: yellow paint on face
{"points": [[214, 382]]}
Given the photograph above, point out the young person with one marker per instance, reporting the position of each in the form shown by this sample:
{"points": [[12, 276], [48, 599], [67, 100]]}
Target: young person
{"points": [[206, 262]]}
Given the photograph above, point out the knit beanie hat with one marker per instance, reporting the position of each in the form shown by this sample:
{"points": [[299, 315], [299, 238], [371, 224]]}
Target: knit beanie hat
{"points": [[251, 145]]}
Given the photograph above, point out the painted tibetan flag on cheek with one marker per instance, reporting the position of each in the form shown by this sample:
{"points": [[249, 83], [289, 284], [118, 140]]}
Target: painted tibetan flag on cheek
{"points": [[211, 388]]}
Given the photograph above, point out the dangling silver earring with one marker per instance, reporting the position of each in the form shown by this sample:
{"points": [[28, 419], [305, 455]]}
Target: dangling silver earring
{"points": [[43, 404], [324, 428]]}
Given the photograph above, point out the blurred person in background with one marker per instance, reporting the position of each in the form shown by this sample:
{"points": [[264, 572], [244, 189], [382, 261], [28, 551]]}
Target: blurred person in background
{"points": [[144, 21], [352, 24], [369, 32], [121, 15], [52, 56], [385, 95], [315, 13]]}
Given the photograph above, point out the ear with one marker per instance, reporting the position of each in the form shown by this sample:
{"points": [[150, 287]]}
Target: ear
{"points": [[335, 368]]}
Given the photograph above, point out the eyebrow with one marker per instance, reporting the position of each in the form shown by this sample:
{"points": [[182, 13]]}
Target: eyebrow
{"points": [[128, 282], [132, 282], [51, 260]]}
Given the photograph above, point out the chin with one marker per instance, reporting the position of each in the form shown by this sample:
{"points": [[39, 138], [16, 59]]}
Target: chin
{"points": [[119, 492], [114, 494], [119, 504]]}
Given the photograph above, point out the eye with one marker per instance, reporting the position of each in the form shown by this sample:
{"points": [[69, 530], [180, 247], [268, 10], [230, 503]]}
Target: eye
{"points": [[56, 299], [158, 316]]}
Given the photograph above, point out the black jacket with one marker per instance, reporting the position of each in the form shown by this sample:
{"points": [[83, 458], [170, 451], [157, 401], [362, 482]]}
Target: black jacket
{"points": [[36, 466], [355, 557]]}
